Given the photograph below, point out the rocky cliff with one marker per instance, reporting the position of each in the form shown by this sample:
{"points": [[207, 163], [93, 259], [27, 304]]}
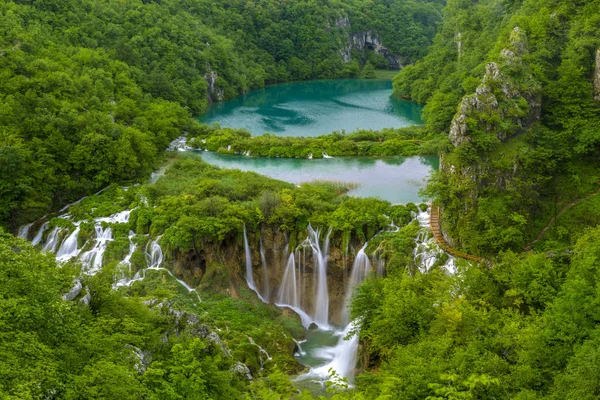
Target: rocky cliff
{"points": [[484, 132], [220, 267], [503, 105]]}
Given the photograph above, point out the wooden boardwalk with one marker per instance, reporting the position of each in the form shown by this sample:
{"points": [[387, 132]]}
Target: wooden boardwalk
{"points": [[434, 225]]}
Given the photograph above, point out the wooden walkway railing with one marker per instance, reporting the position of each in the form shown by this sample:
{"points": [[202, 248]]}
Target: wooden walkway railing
{"points": [[434, 225]]}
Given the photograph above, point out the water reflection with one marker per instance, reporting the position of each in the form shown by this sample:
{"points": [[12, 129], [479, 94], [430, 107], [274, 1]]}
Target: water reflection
{"points": [[396, 179]]}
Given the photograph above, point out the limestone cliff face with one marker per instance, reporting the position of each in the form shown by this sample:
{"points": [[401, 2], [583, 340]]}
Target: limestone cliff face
{"points": [[501, 105], [364, 41], [597, 77], [506, 103], [221, 267], [369, 40]]}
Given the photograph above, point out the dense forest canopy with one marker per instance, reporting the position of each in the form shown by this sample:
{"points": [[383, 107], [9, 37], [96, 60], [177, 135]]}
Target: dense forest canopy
{"points": [[92, 92]]}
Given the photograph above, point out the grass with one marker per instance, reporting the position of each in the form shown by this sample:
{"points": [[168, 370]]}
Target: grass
{"points": [[385, 74]]}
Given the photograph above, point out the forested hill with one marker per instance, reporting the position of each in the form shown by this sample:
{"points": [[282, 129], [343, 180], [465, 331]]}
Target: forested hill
{"points": [[516, 86], [92, 92]]}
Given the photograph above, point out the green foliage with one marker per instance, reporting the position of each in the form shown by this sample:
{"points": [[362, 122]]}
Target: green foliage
{"points": [[387, 142], [368, 71]]}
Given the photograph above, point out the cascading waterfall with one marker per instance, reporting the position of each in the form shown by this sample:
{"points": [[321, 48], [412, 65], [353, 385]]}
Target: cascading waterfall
{"points": [[154, 257], [24, 231], [266, 288], [288, 293], [360, 271], [92, 258], [52, 241], [427, 251], [249, 276], [342, 357], [38, 237], [68, 249], [320, 256], [132, 247], [154, 260]]}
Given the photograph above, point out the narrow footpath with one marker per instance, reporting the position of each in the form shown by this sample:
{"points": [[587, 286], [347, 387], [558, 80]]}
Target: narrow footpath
{"points": [[434, 224]]}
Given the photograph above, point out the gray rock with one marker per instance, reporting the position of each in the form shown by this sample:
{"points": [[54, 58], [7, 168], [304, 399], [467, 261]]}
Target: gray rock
{"points": [[241, 370], [74, 292], [368, 40], [142, 358], [85, 300]]}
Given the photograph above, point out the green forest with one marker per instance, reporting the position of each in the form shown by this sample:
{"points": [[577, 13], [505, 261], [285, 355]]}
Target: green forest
{"points": [[91, 95]]}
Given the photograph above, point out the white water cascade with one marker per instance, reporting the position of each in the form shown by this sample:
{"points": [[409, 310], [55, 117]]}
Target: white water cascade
{"points": [[342, 356], [68, 248], [93, 258], [38, 237], [360, 271], [52, 241], [427, 251], [24, 231], [320, 256], [288, 293], [249, 277], [132, 247], [266, 287]]}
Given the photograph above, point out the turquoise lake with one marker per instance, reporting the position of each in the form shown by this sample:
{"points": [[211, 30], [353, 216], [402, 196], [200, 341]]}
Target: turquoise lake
{"points": [[316, 107], [321, 107], [395, 179]]}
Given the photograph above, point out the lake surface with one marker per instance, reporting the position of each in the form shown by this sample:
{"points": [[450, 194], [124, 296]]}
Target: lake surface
{"points": [[395, 179], [316, 107]]}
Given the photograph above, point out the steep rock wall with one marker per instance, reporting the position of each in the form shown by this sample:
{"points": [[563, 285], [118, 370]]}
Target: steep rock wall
{"points": [[506, 103], [221, 266]]}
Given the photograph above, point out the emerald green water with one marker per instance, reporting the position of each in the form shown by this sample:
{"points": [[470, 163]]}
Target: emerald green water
{"points": [[396, 179], [316, 107]]}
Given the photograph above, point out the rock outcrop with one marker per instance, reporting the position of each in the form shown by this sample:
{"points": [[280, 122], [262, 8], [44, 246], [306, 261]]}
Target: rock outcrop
{"points": [[368, 40], [501, 105]]}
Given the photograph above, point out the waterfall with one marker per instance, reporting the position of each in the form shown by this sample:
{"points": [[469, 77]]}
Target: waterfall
{"points": [[249, 277], [263, 259], [343, 357], [360, 270], [38, 237], [132, 246], [288, 293], [154, 257], [93, 258], [154, 260], [427, 251], [68, 249], [24, 231], [52, 240], [261, 351], [321, 313]]}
